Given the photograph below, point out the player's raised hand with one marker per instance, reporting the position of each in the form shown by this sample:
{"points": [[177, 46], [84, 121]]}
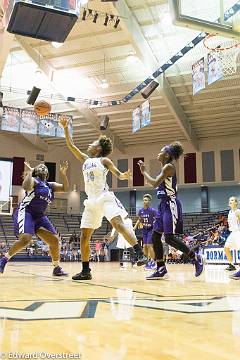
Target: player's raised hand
{"points": [[28, 166], [63, 168], [127, 175], [63, 121], [142, 166]]}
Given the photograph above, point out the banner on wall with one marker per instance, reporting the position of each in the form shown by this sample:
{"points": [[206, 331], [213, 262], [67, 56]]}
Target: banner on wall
{"points": [[10, 119], [146, 114], [48, 125], [28, 122], [136, 119], [198, 76], [214, 68], [216, 255]]}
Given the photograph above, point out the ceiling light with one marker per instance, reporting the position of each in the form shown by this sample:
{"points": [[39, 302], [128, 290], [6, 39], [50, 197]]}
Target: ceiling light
{"points": [[104, 84], [166, 20], [56, 44], [132, 58]]}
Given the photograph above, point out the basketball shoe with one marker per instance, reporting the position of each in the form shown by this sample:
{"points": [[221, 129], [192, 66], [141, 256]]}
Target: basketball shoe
{"points": [[231, 267], [58, 271], [83, 275], [160, 273], [199, 265], [235, 276]]}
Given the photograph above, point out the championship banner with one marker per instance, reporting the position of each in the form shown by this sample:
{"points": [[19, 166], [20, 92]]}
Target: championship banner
{"points": [[198, 76], [28, 122], [214, 68], [136, 119], [48, 125], [10, 119], [146, 114]]}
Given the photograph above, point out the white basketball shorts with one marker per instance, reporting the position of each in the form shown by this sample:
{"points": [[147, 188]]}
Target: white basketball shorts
{"points": [[121, 242], [233, 240], [96, 208]]}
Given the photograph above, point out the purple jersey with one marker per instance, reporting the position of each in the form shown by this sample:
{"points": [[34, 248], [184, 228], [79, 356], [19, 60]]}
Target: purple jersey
{"points": [[147, 217], [167, 188], [36, 201]]}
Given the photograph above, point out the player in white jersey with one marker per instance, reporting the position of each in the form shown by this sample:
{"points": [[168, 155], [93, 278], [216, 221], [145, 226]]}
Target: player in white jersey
{"points": [[100, 201], [233, 240], [122, 244]]}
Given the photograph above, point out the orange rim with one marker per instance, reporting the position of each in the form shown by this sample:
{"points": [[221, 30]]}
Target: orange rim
{"points": [[218, 49]]}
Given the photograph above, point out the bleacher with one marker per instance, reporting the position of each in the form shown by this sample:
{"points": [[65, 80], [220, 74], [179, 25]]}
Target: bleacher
{"points": [[199, 221], [66, 225]]}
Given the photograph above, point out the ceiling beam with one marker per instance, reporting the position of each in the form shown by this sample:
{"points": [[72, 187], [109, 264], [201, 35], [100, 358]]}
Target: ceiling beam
{"points": [[6, 40], [145, 53], [88, 114], [86, 50]]}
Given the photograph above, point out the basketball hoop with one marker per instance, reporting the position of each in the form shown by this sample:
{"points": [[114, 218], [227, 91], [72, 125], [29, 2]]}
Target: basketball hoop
{"points": [[225, 50]]}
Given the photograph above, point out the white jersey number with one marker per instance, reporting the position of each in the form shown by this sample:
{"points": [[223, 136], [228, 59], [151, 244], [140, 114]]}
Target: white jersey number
{"points": [[90, 176]]}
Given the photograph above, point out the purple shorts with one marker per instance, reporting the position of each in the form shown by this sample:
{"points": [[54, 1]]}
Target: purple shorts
{"points": [[147, 237], [169, 217], [25, 223]]}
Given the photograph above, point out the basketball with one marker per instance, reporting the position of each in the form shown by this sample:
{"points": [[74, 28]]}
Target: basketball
{"points": [[42, 107]]}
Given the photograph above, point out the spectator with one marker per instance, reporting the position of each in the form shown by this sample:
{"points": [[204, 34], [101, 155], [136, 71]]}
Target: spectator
{"points": [[98, 248], [105, 250]]}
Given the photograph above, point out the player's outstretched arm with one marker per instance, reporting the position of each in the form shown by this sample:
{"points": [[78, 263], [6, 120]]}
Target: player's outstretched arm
{"points": [[72, 147], [167, 170], [114, 170], [28, 180], [137, 224], [65, 185]]}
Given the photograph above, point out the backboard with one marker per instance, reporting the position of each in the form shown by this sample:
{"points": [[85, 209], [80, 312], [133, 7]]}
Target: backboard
{"points": [[220, 17]]}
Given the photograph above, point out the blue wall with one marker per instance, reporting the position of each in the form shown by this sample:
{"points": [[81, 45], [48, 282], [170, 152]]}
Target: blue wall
{"points": [[219, 196], [190, 198], [124, 197]]}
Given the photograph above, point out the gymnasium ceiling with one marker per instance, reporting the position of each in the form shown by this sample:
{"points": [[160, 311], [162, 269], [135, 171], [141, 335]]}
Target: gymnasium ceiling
{"points": [[77, 69]]}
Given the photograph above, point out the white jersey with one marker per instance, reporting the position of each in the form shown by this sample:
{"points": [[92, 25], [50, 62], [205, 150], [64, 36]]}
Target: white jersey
{"points": [[233, 220], [95, 177]]}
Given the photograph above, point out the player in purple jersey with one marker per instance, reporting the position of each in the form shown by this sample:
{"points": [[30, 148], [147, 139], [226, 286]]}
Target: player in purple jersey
{"points": [[146, 217], [169, 217], [30, 217]]}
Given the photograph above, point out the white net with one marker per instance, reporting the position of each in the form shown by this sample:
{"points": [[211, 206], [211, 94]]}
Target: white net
{"points": [[226, 51], [228, 61]]}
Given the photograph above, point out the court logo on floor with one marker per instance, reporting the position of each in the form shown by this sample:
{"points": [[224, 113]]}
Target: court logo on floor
{"points": [[56, 310]]}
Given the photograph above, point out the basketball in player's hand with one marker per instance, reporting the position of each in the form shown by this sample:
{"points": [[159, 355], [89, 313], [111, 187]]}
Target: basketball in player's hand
{"points": [[42, 107]]}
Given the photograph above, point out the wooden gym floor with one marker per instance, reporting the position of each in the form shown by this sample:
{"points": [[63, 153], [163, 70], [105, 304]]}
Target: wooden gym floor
{"points": [[118, 315]]}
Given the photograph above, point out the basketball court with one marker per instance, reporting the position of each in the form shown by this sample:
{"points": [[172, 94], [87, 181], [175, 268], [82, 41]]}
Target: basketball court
{"points": [[100, 71], [119, 315]]}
